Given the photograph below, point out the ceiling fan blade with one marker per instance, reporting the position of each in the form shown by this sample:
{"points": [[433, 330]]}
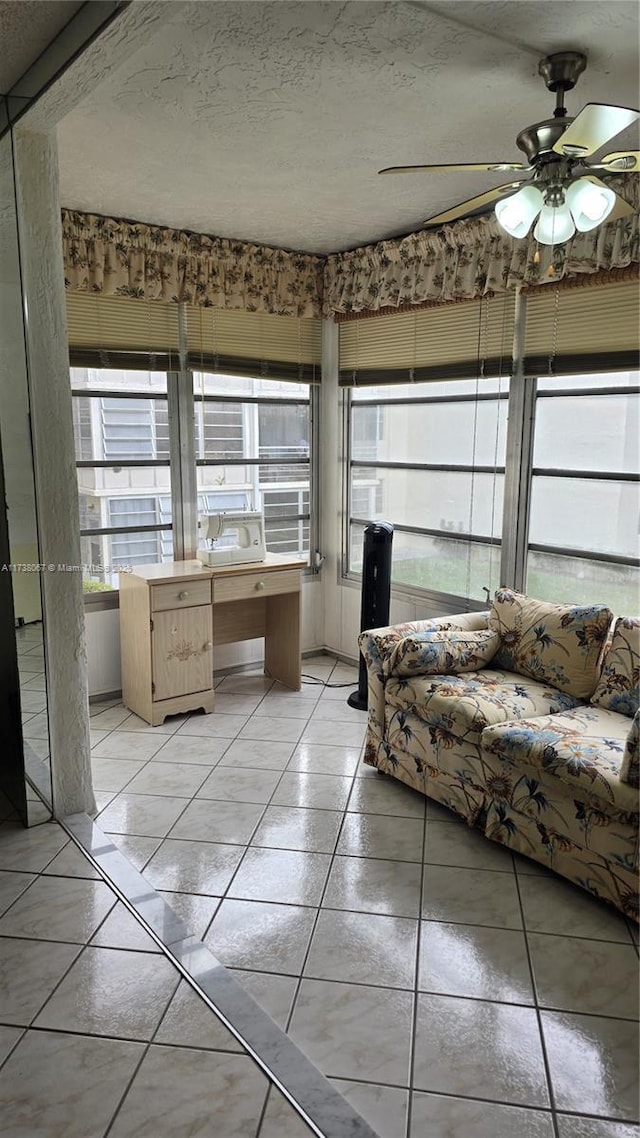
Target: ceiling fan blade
{"points": [[620, 209], [471, 204], [454, 166], [620, 160], [595, 125]]}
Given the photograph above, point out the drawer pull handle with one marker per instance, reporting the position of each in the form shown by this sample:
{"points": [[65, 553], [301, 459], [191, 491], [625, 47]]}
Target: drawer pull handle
{"points": [[259, 584], [182, 596], [208, 645]]}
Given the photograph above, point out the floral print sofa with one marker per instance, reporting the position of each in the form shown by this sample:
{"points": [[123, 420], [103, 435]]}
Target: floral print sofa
{"points": [[524, 721]]}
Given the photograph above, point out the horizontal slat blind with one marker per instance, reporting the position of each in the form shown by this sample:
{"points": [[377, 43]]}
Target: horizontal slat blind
{"points": [[589, 328], [254, 343], [444, 342], [122, 332]]}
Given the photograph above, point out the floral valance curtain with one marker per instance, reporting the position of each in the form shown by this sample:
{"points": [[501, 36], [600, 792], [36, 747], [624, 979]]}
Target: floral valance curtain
{"points": [[462, 261], [122, 258], [470, 259]]}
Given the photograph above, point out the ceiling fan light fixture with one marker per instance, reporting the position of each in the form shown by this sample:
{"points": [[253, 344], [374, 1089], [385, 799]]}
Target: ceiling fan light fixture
{"points": [[555, 225], [516, 213], [590, 204]]}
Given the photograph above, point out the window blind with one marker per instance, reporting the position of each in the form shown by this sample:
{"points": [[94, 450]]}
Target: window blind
{"points": [[126, 332], [122, 332], [444, 342], [254, 344], [587, 328]]}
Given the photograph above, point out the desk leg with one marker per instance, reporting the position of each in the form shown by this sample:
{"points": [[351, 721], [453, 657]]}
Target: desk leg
{"points": [[282, 639]]}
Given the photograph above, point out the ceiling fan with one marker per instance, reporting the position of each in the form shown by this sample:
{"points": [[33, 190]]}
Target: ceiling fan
{"points": [[560, 186]]}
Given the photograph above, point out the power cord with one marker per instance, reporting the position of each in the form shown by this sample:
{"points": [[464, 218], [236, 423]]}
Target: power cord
{"points": [[325, 683]]}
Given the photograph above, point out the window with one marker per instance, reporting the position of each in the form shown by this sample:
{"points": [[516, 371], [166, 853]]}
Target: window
{"points": [[585, 501], [121, 428], [253, 452], [430, 459]]}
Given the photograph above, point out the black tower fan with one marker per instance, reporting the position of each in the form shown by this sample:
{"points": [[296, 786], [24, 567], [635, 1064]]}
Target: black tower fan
{"points": [[376, 593]]}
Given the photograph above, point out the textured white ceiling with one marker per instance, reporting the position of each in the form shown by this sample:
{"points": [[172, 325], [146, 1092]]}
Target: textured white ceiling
{"points": [[268, 121], [26, 28]]}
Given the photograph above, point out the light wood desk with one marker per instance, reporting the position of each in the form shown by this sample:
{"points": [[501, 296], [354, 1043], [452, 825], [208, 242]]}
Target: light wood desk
{"points": [[174, 616]]}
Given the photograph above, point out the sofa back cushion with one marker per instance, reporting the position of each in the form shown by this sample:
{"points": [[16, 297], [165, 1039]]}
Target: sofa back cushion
{"points": [[617, 687], [558, 645], [630, 767], [439, 652]]}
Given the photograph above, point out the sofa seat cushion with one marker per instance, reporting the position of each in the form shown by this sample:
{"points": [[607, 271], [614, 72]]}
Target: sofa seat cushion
{"points": [[583, 748], [460, 707], [554, 644]]}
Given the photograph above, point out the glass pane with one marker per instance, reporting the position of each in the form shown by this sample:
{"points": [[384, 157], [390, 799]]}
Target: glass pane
{"points": [[603, 379], [281, 492], [283, 432], [287, 537], [213, 383], [251, 479], [221, 429], [431, 499], [110, 379], [578, 581], [251, 430], [588, 432], [120, 429], [285, 503], [577, 513], [442, 564], [431, 432], [98, 487], [105, 555], [293, 474], [424, 390]]}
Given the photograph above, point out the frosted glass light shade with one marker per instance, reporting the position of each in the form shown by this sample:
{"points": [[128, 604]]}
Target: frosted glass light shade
{"points": [[555, 225], [589, 203], [517, 212]]}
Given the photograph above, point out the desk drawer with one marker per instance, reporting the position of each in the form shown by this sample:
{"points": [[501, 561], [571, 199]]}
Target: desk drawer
{"points": [[247, 585], [182, 594]]}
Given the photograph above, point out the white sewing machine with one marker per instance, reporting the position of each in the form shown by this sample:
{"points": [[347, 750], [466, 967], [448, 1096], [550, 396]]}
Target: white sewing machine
{"points": [[232, 538]]}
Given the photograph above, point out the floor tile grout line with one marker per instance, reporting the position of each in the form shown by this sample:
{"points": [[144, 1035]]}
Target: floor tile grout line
{"points": [[543, 1042], [296, 994], [333, 856], [184, 975], [416, 983], [160, 839], [168, 951], [145, 1052]]}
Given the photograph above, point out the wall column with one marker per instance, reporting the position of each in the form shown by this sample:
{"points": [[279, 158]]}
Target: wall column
{"points": [[41, 264]]}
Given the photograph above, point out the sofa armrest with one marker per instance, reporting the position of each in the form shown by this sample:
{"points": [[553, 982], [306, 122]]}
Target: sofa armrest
{"points": [[378, 647]]}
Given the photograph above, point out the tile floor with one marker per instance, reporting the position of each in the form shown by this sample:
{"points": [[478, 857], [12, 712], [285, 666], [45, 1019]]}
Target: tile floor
{"points": [[98, 1032], [445, 987]]}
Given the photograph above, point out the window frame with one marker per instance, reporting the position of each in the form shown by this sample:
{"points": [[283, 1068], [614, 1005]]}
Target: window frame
{"points": [[307, 462], [519, 471], [621, 477], [399, 588], [181, 401]]}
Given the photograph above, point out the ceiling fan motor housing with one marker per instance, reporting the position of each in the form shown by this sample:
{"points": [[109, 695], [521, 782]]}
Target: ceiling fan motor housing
{"points": [[540, 138], [560, 72]]}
